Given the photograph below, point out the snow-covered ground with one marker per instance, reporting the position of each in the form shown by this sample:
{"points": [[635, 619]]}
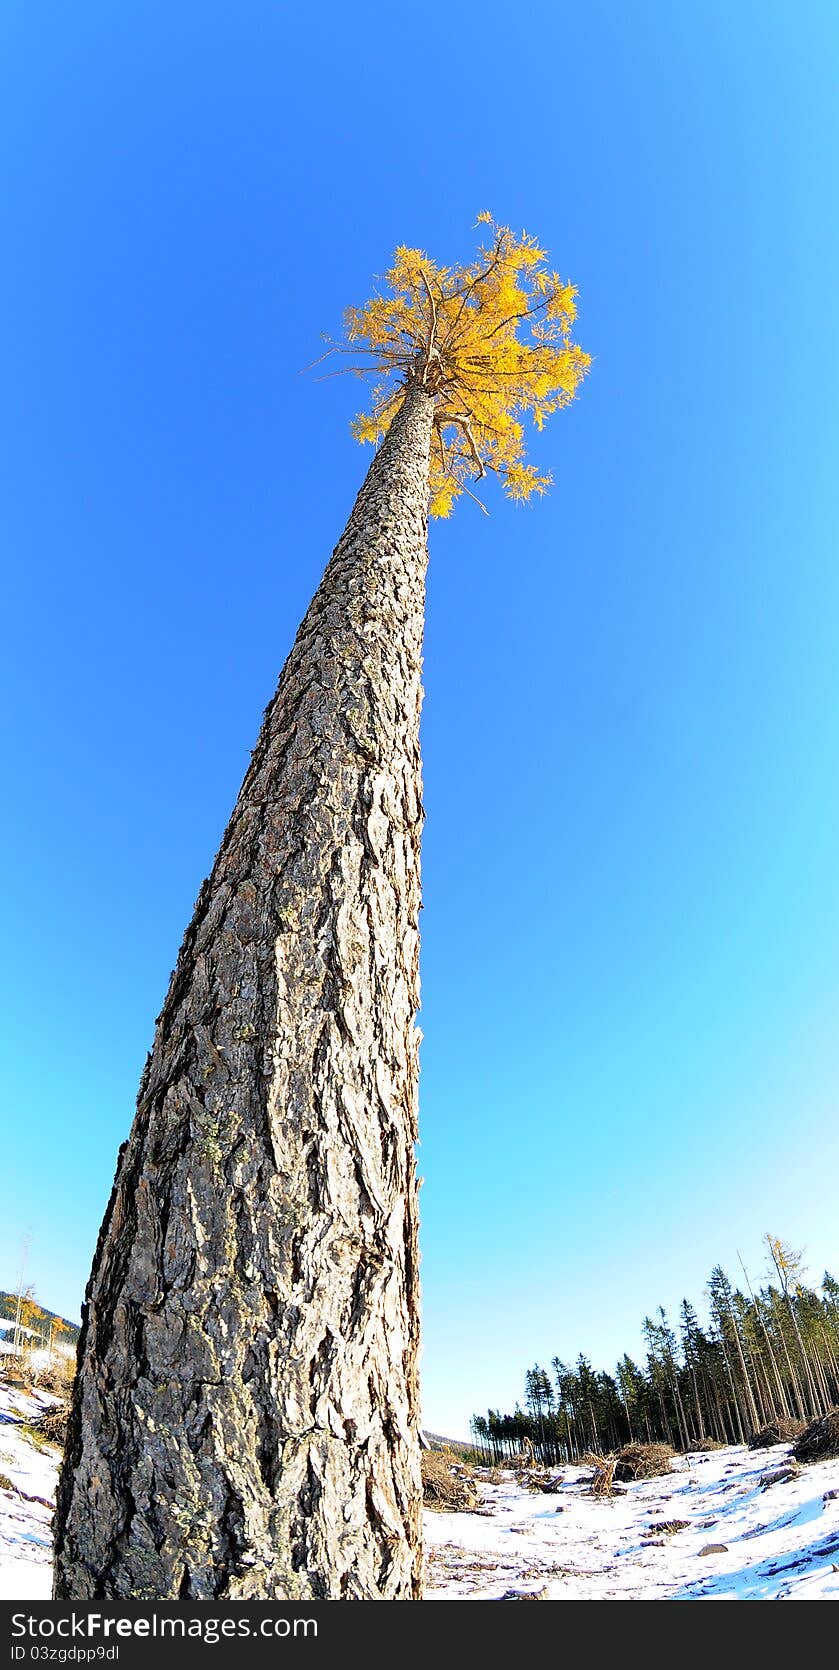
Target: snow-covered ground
{"points": [[29, 1472], [777, 1543]]}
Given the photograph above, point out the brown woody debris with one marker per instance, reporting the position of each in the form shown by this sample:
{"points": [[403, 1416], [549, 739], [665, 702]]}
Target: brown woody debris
{"points": [[820, 1440], [445, 1486], [783, 1430], [52, 1425], [643, 1461]]}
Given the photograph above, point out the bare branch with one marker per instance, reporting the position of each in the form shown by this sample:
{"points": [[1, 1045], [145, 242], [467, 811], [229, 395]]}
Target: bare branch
{"points": [[335, 349], [478, 502], [347, 371], [464, 424], [431, 352]]}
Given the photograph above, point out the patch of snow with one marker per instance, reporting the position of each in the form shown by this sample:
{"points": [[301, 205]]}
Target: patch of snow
{"points": [[26, 1508], [779, 1543], [775, 1544]]}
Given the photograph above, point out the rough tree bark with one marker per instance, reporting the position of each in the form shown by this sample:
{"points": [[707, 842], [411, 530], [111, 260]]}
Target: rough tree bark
{"points": [[245, 1421]]}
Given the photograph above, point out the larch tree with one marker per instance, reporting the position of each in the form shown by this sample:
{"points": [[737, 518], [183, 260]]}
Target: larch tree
{"points": [[245, 1420], [789, 1265]]}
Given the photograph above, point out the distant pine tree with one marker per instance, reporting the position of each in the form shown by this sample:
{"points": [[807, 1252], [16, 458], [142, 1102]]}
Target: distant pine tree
{"points": [[764, 1356]]}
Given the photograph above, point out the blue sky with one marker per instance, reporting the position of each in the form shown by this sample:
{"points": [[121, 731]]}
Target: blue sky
{"points": [[631, 927]]}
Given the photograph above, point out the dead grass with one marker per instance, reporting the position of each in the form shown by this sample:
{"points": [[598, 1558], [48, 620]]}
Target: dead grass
{"points": [[31, 1431], [13, 1371], [643, 1461], [48, 1428], [820, 1440], [58, 1377], [702, 1445]]}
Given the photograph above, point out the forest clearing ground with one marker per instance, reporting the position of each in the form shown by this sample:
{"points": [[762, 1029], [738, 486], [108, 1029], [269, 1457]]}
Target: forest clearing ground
{"points": [[28, 1475], [780, 1542]]}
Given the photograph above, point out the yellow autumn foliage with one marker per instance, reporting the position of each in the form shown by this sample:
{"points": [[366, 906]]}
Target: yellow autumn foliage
{"points": [[490, 341]]}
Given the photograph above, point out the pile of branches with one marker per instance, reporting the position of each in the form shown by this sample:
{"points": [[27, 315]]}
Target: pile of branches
{"points": [[445, 1485], [820, 1440], [602, 1481], [52, 1425], [783, 1430], [643, 1461]]}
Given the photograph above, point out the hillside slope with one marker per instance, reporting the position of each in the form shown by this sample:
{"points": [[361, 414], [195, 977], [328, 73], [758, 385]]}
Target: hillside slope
{"points": [[40, 1317]]}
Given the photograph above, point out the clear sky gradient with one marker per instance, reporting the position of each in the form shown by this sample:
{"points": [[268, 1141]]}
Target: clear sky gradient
{"points": [[630, 951]]}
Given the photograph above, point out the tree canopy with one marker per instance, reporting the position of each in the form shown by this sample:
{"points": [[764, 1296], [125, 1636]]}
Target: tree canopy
{"points": [[491, 342]]}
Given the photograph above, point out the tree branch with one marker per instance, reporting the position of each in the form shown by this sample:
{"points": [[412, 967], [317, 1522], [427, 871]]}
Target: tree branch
{"points": [[463, 423], [478, 502], [430, 352], [479, 279]]}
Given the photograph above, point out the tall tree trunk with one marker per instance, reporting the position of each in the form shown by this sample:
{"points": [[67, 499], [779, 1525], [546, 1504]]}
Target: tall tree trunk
{"points": [[697, 1408], [795, 1385], [722, 1428], [735, 1404], [782, 1405], [805, 1361], [245, 1421], [751, 1406]]}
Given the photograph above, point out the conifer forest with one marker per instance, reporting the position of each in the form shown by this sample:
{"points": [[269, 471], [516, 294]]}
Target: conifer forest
{"points": [[766, 1354]]}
